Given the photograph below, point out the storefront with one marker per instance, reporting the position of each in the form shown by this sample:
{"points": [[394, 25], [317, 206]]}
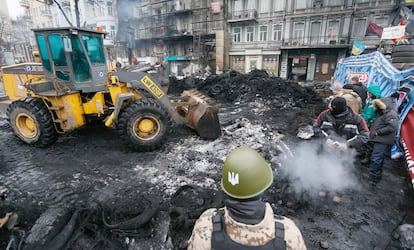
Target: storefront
{"points": [[249, 60], [177, 65], [310, 64]]}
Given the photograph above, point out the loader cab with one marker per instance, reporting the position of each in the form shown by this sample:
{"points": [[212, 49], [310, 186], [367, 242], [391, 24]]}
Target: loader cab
{"points": [[73, 57]]}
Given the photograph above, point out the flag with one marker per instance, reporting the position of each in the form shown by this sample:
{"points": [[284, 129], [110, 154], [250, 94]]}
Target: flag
{"points": [[357, 47], [375, 28]]}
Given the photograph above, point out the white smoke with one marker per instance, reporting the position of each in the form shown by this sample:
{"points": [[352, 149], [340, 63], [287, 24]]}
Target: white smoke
{"points": [[315, 168]]}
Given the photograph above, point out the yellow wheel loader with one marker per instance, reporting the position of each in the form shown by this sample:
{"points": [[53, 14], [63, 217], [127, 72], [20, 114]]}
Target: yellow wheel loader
{"points": [[72, 87]]}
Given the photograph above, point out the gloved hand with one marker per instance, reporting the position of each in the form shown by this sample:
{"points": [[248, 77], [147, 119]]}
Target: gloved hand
{"points": [[317, 131], [339, 145]]}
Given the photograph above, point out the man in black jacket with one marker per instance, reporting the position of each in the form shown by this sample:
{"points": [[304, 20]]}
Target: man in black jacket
{"points": [[360, 89], [341, 126], [382, 133]]}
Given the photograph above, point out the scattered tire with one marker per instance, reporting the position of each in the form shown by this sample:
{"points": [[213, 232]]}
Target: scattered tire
{"points": [[32, 122], [216, 89], [403, 54], [403, 48], [143, 125], [402, 59]]}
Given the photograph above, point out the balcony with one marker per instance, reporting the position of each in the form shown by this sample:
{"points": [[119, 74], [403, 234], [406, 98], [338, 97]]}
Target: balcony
{"points": [[24, 3], [46, 12], [243, 16], [178, 8], [316, 42]]}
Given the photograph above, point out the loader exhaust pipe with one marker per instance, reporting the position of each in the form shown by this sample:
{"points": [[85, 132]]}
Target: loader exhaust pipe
{"points": [[200, 113]]}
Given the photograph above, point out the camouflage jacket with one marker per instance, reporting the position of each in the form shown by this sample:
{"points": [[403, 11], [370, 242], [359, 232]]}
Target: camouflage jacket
{"points": [[249, 235]]}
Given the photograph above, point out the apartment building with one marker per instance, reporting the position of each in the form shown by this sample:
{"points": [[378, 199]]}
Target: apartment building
{"points": [[301, 39], [5, 28], [81, 13], [189, 35]]}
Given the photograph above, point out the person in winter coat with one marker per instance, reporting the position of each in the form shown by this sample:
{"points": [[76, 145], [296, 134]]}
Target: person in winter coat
{"points": [[368, 113], [360, 89], [245, 221], [340, 126], [382, 134], [353, 100]]}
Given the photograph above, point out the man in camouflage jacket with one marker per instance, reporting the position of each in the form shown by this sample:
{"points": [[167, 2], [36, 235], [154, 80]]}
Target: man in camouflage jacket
{"points": [[246, 220]]}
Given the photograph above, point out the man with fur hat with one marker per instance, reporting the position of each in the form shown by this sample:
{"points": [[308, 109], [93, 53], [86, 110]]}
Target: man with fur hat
{"points": [[245, 222], [340, 126], [381, 135]]}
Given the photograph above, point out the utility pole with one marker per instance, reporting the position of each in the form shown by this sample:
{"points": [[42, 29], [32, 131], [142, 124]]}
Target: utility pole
{"points": [[76, 13]]}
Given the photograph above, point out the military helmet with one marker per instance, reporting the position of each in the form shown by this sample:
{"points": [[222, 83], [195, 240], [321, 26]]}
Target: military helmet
{"points": [[245, 174]]}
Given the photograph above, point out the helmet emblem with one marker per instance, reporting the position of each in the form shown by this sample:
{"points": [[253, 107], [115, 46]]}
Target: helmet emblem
{"points": [[233, 178]]}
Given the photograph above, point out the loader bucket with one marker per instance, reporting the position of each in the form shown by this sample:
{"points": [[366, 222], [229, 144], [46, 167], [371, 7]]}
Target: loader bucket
{"points": [[200, 113]]}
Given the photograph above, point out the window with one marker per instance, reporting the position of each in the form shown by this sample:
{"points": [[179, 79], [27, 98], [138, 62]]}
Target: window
{"points": [[264, 6], [41, 41], [359, 28], [238, 5], [334, 2], [236, 34], [279, 5], [94, 48], [332, 30], [56, 47], [301, 4], [112, 32], [110, 10], [263, 33], [382, 21], [251, 4], [298, 32], [277, 32], [79, 62], [315, 32], [249, 34], [217, 24]]}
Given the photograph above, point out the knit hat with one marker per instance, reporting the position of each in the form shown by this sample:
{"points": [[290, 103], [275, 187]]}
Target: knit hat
{"points": [[348, 86], [338, 105]]}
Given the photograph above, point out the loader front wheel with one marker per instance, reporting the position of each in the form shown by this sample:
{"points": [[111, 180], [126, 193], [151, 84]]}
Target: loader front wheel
{"points": [[32, 122], [143, 125]]}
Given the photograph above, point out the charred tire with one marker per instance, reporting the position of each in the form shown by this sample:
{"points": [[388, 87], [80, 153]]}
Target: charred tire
{"points": [[143, 125], [215, 89], [402, 59], [32, 122], [403, 54], [403, 48]]}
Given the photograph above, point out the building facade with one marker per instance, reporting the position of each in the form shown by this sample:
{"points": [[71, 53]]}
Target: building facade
{"points": [[301, 40], [188, 35], [295, 39], [80, 13]]}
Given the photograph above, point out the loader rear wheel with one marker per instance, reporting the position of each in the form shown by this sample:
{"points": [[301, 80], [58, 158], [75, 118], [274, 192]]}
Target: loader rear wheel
{"points": [[144, 124], [32, 122]]}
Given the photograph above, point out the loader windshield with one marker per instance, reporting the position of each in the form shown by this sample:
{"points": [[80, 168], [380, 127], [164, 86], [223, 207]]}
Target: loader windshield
{"points": [[94, 48], [79, 61]]}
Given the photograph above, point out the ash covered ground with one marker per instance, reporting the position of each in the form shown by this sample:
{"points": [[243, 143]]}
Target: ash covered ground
{"points": [[88, 191]]}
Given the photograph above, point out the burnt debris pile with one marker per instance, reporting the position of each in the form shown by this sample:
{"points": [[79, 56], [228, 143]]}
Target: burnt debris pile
{"points": [[233, 86]]}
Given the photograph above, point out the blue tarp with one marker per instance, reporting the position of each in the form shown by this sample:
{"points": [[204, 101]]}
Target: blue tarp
{"points": [[375, 69], [372, 68]]}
